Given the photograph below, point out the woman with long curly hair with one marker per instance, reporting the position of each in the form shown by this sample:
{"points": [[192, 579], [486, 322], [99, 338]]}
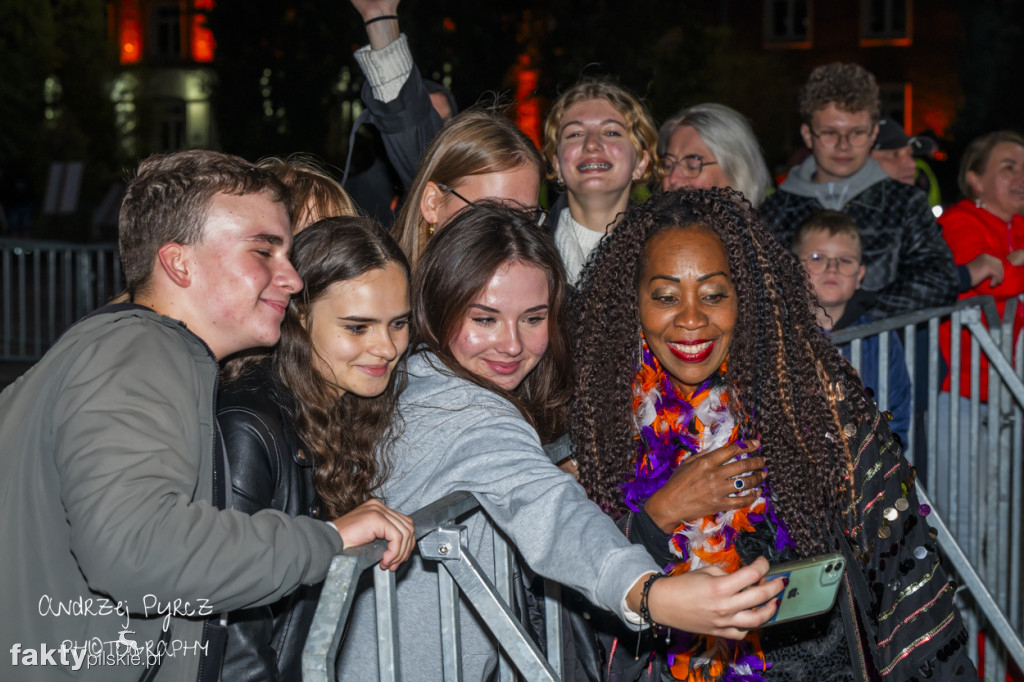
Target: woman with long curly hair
{"points": [[304, 427], [488, 371], [694, 337]]}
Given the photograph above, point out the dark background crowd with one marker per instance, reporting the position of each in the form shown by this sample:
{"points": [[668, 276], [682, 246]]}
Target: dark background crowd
{"points": [[107, 83]]}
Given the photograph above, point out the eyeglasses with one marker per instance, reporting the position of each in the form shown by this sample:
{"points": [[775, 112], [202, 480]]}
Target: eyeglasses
{"points": [[817, 263], [691, 165], [831, 138], [538, 213]]}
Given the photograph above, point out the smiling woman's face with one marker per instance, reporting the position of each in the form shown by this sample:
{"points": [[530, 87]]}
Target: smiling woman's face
{"points": [[688, 304], [504, 332]]}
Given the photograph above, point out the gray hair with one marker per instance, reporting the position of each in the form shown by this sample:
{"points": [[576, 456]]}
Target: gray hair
{"points": [[728, 135]]}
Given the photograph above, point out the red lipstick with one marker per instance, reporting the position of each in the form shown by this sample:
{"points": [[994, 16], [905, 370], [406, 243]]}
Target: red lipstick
{"points": [[698, 356]]}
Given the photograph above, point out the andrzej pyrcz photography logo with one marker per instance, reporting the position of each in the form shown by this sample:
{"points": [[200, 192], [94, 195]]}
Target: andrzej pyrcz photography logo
{"points": [[125, 648]]}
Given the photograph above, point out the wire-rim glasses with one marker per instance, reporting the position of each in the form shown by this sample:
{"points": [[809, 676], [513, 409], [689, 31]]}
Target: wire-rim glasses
{"points": [[817, 263], [690, 165], [539, 214], [830, 138]]}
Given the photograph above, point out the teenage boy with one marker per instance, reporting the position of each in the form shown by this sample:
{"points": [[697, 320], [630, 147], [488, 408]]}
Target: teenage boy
{"points": [[827, 244], [908, 265], [118, 553]]}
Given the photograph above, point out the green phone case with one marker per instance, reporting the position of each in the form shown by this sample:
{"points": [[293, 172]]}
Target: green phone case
{"points": [[812, 589]]}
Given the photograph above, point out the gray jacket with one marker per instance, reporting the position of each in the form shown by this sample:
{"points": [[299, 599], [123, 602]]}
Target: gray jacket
{"points": [[108, 451], [459, 436]]}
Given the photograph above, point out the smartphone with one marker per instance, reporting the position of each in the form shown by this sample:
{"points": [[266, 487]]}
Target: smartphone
{"points": [[812, 589]]}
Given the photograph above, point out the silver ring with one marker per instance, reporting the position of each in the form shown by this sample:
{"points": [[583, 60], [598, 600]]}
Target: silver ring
{"points": [[738, 483]]}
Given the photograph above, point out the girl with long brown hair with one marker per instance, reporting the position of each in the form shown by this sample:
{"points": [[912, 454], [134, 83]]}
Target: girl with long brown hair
{"points": [[308, 427]]}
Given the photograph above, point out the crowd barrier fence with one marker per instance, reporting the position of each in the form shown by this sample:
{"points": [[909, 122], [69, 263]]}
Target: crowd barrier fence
{"points": [[46, 286], [973, 452], [439, 538]]}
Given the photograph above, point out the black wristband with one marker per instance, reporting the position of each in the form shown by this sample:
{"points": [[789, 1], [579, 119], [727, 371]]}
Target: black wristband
{"points": [[383, 17], [645, 609]]}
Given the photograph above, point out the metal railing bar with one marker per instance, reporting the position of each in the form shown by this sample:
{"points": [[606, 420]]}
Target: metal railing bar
{"points": [[503, 576], [910, 359], [970, 579], [320, 652], [387, 620], [506, 629]]}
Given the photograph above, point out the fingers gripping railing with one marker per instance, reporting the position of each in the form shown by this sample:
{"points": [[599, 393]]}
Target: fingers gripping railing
{"points": [[439, 539]]}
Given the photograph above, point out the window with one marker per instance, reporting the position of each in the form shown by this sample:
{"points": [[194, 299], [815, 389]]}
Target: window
{"points": [[165, 41], [787, 23], [170, 125], [885, 22]]}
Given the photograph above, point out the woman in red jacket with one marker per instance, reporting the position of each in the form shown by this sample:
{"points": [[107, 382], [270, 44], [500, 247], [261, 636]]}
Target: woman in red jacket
{"points": [[988, 221]]}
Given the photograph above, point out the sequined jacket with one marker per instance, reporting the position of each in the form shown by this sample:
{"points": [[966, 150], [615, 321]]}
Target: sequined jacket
{"points": [[901, 598]]}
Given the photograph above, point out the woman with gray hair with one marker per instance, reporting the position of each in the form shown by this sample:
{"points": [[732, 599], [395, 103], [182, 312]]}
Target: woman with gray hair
{"points": [[712, 145]]}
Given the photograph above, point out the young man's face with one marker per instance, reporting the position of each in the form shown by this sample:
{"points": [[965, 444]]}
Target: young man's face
{"points": [[840, 141], [831, 286], [242, 274]]}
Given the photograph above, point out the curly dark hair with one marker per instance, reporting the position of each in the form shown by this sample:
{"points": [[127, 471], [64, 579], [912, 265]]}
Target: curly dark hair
{"points": [[457, 264], [349, 437], [787, 377], [851, 87]]}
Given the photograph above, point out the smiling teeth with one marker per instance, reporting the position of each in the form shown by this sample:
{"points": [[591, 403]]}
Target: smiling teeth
{"points": [[594, 166], [691, 348]]}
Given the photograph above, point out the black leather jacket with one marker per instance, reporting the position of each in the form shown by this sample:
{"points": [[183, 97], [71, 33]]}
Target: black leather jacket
{"points": [[269, 470]]}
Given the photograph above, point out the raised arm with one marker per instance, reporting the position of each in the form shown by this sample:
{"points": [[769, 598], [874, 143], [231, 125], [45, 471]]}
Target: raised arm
{"points": [[397, 103]]}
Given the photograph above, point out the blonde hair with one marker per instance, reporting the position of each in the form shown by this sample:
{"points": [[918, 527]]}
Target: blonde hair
{"points": [[315, 194], [475, 142], [639, 124]]}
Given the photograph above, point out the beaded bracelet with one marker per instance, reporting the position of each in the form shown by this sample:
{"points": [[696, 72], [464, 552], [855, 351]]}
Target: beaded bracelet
{"points": [[645, 610], [383, 17]]}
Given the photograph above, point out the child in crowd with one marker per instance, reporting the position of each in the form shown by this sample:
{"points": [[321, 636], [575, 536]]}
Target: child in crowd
{"points": [[829, 247]]}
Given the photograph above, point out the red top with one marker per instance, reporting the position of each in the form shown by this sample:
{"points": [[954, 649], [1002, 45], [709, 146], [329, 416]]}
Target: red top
{"points": [[971, 231]]}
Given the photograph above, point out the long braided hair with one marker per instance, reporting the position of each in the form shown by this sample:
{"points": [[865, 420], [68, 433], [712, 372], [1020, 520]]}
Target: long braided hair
{"points": [[786, 375]]}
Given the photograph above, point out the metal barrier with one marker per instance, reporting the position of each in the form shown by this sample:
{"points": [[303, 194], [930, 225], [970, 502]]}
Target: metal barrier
{"points": [[974, 461], [438, 539], [45, 287]]}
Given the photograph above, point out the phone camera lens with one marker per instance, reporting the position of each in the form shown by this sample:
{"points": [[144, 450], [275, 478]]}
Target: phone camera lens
{"points": [[828, 568], [839, 565]]}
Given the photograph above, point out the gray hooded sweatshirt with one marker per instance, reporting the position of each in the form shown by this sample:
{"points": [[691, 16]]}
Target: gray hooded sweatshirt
{"points": [[459, 436], [832, 195]]}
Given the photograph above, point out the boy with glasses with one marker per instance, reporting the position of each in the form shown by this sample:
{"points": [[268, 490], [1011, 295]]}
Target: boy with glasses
{"points": [[907, 264], [827, 244]]}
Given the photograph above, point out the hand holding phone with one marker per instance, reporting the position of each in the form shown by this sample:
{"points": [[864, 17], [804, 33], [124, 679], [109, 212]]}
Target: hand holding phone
{"points": [[812, 587]]}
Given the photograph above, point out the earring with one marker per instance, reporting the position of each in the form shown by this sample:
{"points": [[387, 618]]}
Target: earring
{"points": [[979, 202], [430, 230], [561, 184]]}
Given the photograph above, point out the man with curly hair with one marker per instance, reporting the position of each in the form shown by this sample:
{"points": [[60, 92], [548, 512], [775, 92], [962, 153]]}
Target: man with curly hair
{"points": [[909, 266]]}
